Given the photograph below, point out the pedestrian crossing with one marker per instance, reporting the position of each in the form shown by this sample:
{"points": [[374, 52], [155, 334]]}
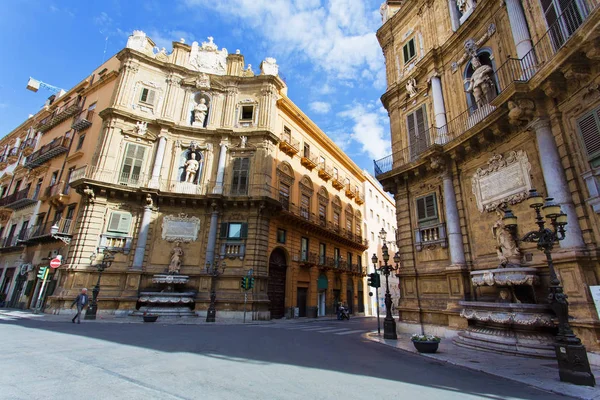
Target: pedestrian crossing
{"points": [[340, 328], [15, 315]]}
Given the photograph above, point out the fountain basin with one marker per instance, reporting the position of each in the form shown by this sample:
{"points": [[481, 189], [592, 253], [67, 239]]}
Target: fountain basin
{"points": [[508, 313], [505, 277]]}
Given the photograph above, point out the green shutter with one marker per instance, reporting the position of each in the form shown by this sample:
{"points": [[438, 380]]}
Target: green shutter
{"points": [[223, 234], [244, 231], [421, 214], [405, 51], [589, 129]]}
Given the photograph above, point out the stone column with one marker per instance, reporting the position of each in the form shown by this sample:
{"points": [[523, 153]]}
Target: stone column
{"points": [[221, 169], [212, 234], [266, 106], [140, 248], [518, 26], [230, 100], [454, 18], [344, 290], [158, 160], [313, 293], [439, 109], [556, 181], [455, 243], [129, 68]]}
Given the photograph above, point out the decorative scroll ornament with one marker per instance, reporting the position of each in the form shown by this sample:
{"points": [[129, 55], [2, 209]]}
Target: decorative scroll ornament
{"points": [[505, 180], [208, 58]]}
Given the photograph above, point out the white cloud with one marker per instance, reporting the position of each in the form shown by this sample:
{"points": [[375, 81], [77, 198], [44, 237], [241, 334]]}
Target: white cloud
{"points": [[320, 107], [338, 37], [370, 128]]}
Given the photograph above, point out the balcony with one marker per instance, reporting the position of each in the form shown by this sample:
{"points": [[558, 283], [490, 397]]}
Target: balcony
{"points": [[289, 146], [325, 172], [117, 178], [20, 199], [339, 185], [45, 232], [307, 259], [176, 186], [349, 192], [3, 161], [60, 114], [83, 120], [58, 194], [233, 249], [430, 236], [28, 146], [12, 242], [48, 151], [310, 161], [113, 242], [13, 155], [359, 199]]}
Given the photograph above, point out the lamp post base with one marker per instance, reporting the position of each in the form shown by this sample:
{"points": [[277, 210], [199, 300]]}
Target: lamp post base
{"points": [[90, 313], [389, 329], [573, 364], [210, 315]]}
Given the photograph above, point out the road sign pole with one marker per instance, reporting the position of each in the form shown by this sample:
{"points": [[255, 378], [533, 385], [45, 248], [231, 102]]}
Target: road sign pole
{"points": [[377, 303], [245, 302], [37, 305]]}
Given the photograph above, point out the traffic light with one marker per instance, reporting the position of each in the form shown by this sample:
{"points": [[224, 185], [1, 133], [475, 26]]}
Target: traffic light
{"points": [[251, 283], [244, 283], [373, 280], [43, 272], [370, 280], [377, 280]]}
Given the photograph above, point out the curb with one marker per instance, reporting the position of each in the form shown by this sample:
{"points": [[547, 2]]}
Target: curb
{"points": [[369, 337]]}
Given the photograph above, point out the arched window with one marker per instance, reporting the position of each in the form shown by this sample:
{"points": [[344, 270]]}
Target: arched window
{"points": [[285, 175]]}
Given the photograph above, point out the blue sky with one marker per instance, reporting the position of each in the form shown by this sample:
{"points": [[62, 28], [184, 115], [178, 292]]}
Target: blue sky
{"points": [[326, 49]]}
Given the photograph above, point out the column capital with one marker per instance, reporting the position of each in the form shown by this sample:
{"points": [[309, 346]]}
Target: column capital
{"points": [[540, 123]]}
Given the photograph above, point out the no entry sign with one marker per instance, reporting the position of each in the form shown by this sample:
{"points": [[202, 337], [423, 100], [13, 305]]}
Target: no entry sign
{"points": [[55, 263]]}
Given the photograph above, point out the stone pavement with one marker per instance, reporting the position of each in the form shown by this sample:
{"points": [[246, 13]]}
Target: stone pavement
{"points": [[539, 373]]}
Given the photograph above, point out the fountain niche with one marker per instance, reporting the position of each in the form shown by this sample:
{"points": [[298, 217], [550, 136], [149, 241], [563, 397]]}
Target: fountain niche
{"points": [[168, 296], [506, 316]]}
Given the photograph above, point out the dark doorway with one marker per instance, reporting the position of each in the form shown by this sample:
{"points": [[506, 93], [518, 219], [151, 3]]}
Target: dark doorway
{"points": [[336, 298], [276, 289], [361, 298], [350, 298], [302, 295]]}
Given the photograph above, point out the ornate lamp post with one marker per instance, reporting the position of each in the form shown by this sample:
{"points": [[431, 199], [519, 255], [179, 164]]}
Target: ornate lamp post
{"points": [[215, 270], [107, 259], [573, 364], [389, 325]]}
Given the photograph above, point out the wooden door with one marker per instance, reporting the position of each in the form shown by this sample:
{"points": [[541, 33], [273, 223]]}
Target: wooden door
{"points": [[276, 288]]}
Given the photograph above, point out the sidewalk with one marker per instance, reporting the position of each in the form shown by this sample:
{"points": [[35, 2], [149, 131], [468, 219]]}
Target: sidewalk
{"points": [[539, 373]]}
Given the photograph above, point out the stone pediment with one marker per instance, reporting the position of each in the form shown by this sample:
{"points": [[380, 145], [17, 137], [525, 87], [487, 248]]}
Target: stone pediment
{"points": [[208, 58], [140, 131]]}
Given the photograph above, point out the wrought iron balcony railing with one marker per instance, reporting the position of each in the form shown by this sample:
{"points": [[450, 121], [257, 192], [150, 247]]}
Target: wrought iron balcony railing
{"points": [[48, 151]]}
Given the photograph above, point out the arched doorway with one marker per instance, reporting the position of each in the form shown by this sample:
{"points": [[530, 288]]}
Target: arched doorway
{"points": [[276, 289]]}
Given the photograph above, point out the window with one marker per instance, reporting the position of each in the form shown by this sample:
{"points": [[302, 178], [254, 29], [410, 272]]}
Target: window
{"points": [[119, 222], [281, 235], [304, 249], [349, 260], [336, 219], [589, 130], [67, 187], [336, 257], [57, 217], [284, 195], [322, 161], [54, 178], [372, 237], [2, 191], [378, 218], [348, 224], [335, 173], [371, 212], [80, 142], [247, 113], [322, 253], [376, 199], [71, 212], [239, 183], [418, 135], [305, 206], [132, 163], [383, 220], [359, 261], [38, 188], [409, 51], [427, 210], [234, 230], [23, 231], [11, 234], [92, 107], [322, 213], [17, 186], [370, 193], [147, 96], [563, 18], [306, 150]]}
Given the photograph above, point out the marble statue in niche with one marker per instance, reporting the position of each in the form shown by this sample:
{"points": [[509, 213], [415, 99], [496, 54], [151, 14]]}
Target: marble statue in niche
{"points": [[191, 168], [411, 87], [506, 247], [200, 111], [176, 259], [243, 141], [481, 84]]}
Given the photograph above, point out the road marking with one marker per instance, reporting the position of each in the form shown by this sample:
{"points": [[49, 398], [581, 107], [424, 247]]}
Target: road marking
{"points": [[349, 332], [331, 330]]}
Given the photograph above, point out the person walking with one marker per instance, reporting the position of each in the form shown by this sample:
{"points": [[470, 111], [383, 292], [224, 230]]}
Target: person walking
{"points": [[81, 301]]}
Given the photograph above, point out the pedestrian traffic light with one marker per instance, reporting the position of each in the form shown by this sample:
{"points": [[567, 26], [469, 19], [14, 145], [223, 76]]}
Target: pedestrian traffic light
{"points": [[42, 273], [377, 280], [244, 283], [373, 280], [251, 283]]}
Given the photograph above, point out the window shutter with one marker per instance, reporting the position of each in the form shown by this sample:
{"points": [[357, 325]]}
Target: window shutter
{"points": [[244, 231], [589, 128], [411, 48], [151, 94], [421, 209], [223, 234], [113, 223], [430, 208], [405, 52], [421, 120], [119, 222], [144, 94], [410, 122]]}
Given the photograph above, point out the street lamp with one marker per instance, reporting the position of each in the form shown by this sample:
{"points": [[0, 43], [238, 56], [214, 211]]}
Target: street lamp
{"points": [[214, 270], [389, 325], [107, 259], [573, 364]]}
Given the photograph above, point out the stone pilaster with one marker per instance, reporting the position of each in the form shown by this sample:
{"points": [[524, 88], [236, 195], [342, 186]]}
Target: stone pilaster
{"points": [[230, 104], [212, 234], [556, 181], [266, 105], [221, 169], [173, 85], [158, 160], [455, 242], [142, 240], [129, 69]]}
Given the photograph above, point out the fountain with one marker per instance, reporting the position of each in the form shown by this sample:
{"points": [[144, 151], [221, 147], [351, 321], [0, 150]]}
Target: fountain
{"points": [[506, 317], [172, 300]]}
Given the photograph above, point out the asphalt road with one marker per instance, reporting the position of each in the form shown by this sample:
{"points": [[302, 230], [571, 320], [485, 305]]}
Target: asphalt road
{"points": [[306, 360]]}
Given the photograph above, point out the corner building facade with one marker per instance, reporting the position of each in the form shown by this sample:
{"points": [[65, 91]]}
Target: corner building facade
{"points": [[200, 157], [486, 101]]}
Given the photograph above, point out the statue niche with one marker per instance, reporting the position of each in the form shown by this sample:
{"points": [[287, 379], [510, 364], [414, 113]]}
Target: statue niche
{"points": [[199, 114], [191, 166], [479, 80]]}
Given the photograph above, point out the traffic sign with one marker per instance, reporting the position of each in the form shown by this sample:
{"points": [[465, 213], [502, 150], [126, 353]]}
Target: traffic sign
{"points": [[55, 263]]}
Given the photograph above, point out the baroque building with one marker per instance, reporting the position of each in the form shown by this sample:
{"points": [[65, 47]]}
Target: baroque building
{"points": [[488, 100], [178, 163]]}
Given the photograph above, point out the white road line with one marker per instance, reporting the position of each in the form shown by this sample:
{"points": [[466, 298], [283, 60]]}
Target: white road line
{"points": [[300, 327], [331, 330], [350, 332], [314, 329]]}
